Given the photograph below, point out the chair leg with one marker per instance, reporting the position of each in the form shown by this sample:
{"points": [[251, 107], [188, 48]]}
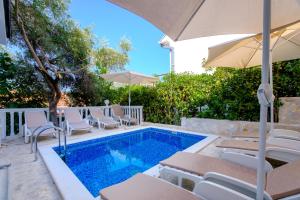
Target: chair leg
{"points": [[99, 126], [31, 143]]}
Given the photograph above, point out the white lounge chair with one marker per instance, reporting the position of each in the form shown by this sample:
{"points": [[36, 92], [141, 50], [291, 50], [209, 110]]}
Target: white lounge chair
{"points": [[285, 149], [34, 120], [285, 133], [194, 166], [118, 114], [145, 187], [74, 122], [250, 133], [282, 182], [97, 117]]}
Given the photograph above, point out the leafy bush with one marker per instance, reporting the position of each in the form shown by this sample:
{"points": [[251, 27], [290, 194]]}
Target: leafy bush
{"points": [[20, 85], [226, 94]]}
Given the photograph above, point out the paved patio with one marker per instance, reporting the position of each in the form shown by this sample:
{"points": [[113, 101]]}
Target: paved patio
{"points": [[30, 179]]}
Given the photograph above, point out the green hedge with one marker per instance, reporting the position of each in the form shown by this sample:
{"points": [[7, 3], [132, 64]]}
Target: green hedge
{"points": [[226, 94]]}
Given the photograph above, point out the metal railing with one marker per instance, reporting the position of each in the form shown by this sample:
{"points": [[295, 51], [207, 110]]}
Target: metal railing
{"points": [[12, 120]]}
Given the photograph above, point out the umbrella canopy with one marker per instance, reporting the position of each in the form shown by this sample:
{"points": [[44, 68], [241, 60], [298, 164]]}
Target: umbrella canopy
{"points": [[247, 52], [189, 19], [130, 78]]}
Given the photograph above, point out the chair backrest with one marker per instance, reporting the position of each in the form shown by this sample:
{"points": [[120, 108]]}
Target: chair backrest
{"points": [[35, 119], [284, 181], [96, 113], [72, 115], [117, 110]]}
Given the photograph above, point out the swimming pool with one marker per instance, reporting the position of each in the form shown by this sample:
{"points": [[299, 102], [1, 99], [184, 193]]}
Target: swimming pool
{"points": [[105, 161]]}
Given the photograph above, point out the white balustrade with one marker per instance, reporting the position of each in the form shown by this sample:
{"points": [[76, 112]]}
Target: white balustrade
{"points": [[5, 114], [135, 112]]}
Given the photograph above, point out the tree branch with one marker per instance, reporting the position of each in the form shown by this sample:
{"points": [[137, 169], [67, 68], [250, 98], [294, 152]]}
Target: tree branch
{"points": [[31, 49]]}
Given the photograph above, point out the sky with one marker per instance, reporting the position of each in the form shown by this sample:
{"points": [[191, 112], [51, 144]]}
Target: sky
{"points": [[111, 23]]}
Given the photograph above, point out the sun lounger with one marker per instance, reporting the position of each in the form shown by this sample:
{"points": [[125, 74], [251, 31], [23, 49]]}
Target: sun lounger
{"points": [[97, 117], [34, 120], [118, 114], [286, 134], [277, 133], [277, 148], [281, 182], [74, 122], [199, 165], [145, 187]]}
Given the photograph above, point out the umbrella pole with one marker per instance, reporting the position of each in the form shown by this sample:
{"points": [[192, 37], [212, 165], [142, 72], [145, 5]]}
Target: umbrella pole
{"points": [[264, 106], [271, 84]]}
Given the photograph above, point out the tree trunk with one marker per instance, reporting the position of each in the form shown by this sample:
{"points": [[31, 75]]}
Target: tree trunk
{"points": [[55, 96], [53, 101]]}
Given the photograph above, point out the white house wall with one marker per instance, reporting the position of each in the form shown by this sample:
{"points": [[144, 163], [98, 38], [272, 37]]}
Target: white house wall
{"points": [[189, 54]]}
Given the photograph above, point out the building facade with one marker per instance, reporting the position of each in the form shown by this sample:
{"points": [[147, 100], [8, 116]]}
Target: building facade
{"points": [[189, 55]]}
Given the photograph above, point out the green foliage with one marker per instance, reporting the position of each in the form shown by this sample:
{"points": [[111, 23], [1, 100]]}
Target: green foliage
{"points": [[179, 95], [108, 58], [226, 94], [57, 40], [19, 85], [7, 71], [89, 89], [233, 96]]}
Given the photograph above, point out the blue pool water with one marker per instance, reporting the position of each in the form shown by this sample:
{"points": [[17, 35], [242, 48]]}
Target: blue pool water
{"points": [[103, 162]]}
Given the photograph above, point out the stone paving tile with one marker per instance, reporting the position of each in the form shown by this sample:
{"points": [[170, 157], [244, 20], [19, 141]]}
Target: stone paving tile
{"points": [[30, 180]]}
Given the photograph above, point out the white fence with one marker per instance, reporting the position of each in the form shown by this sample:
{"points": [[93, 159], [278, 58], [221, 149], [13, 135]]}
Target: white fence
{"points": [[12, 120]]}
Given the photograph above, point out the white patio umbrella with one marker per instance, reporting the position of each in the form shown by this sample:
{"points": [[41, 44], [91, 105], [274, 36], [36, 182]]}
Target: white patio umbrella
{"points": [[130, 78], [247, 52], [189, 19]]}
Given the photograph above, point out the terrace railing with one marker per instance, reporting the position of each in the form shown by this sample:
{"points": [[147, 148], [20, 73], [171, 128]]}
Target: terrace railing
{"points": [[13, 119]]}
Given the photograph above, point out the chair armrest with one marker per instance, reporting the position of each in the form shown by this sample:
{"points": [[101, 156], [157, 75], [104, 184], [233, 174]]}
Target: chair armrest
{"points": [[284, 154], [288, 137], [245, 160], [284, 143], [286, 134], [111, 118], [50, 123], [4, 164], [234, 184], [211, 190], [167, 172], [117, 118]]}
